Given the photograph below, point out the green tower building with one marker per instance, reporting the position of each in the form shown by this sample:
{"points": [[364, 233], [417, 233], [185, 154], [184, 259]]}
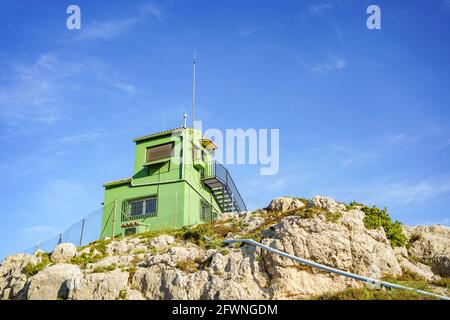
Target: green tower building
{"points": [[175, 183]]}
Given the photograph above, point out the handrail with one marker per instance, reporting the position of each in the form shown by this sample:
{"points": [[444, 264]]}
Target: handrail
{"points": [[334, 270], [223, 175]]}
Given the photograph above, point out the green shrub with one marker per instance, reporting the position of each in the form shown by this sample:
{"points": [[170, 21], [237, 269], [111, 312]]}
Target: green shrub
{"points": [[443, 282], [100, 269], [376, 218], [332, 216], [354, 204], [86, 258], [123, 295], [374, 294], [31, 269]]}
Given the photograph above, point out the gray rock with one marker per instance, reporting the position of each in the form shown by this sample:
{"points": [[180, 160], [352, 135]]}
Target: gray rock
{"points": [[99, 286], [285, 204], [326, 203], [63, 253], [441, 265], [162, 242], [50, 283]]}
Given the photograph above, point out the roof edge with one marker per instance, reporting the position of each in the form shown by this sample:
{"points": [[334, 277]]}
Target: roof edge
{"points": [[157, 134], [118, 182]]}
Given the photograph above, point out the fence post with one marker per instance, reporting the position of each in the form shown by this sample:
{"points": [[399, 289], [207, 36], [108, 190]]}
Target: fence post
{"points": [[82, 231]]}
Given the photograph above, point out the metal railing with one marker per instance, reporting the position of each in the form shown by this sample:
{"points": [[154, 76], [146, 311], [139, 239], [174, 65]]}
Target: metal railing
{"points": [[216, 170], [334, 270], [80, 233]]}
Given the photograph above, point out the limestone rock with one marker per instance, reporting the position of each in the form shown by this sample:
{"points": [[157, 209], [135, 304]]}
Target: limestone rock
{"points": [[99, 286], [12, 276], [63, 253], [284, 204], [441, 265], [50, 283], [167, 268], [417, 268], [345, 244], [430, 245], [326, 203], [174, 256], [162, 242]]}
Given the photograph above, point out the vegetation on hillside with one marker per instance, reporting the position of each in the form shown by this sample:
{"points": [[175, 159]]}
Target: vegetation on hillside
{"points": [[376, 218], [31, 269], [408, 279]]}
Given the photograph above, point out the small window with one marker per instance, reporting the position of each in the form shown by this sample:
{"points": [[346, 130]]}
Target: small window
{"points": [[206, 211], [130, 231], [143, 207], [160, 152]]}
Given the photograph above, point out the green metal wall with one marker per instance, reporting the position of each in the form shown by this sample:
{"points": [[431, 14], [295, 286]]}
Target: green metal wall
{"points": [[179, 191]]}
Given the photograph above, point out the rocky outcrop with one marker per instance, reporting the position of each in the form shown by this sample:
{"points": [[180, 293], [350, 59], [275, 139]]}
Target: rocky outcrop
{"points": [[326, 203], [12, 275], [50, 283], [98, 286], [176, 266], [346, 245], [430, 245], [285, 204], [63, 253]]}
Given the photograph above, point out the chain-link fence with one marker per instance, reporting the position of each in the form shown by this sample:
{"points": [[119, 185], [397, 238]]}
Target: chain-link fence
{"points": [[81, 233]]}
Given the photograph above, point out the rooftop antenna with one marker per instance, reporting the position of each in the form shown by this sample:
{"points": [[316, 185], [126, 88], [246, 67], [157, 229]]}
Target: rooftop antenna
{"points": [[193, 91]]}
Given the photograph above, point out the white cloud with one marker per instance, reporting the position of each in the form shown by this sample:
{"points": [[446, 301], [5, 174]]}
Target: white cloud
{"points": [[35, 90], [60, 194], [331, 64], [324, 66], [80, 137], [320, 7], [110, 29], [39, 229], [317, 9], [248, 31], [45, 90], [400, 192]]}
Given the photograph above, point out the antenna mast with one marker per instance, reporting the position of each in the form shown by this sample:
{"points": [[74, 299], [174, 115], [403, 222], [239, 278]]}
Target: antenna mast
{"points": [[193, 91]]}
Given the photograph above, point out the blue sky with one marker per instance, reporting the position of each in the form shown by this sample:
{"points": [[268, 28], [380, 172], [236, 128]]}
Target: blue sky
{"points": [[363, 114]]}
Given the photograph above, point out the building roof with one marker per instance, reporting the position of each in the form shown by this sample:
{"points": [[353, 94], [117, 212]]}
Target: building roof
{"points": [[156, 134], [118, 182]]}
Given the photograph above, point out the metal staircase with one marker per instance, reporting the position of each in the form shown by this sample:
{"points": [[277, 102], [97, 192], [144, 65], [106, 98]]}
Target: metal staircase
{"points": [[222, 186]]}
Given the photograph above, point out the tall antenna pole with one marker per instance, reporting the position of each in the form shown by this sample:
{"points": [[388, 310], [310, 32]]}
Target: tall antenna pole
{"points": [[193, 91]]}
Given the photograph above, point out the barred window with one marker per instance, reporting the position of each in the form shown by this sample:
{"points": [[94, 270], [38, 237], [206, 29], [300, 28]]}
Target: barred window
{"points": [[143, 207]]}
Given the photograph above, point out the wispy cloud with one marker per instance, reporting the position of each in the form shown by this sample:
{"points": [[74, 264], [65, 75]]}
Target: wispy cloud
{"points": [[318, 8], [39, 229], [349, 156], [248, 31], [322, 67], [112, 28], [60, 194], [321, 7], [404, 192], [80, 137], [47, 89], [36, 90]]}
